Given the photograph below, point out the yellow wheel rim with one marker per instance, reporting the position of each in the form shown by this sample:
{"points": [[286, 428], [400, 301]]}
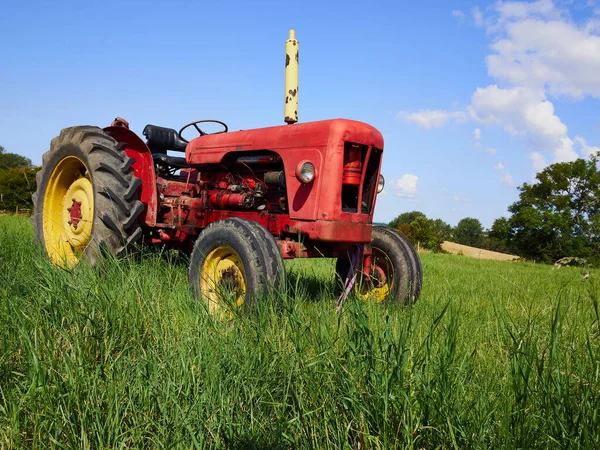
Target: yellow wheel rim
{"points": [[222, 278], [376, 286], [68, 213]]}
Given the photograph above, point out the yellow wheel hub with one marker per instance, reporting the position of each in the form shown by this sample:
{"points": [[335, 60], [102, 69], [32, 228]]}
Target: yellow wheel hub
{"points": [[376, 286], [68, 213], [223, 277]]}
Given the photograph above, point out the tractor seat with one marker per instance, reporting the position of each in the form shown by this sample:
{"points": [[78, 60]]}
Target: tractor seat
{"points": [[161, 139]]}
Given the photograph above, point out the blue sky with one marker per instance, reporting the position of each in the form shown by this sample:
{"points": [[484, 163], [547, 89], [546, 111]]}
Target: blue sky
{"points": [[472, 97]]}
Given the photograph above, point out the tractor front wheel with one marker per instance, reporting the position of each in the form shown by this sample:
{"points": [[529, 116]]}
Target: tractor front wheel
{"points": [[234, 263], [396, 271], [87, 197]]}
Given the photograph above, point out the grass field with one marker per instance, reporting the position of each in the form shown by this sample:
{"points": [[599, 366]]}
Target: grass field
{"points": [[494, 355]]}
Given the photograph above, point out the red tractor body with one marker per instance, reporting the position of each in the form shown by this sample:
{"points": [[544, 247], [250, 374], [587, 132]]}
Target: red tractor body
{"points": [[237, 203], [251, 174]]}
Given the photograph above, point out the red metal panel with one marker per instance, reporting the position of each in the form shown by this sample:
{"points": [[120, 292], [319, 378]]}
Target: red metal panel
{"points": [[210, 149], [143, 168], [320, 142]]}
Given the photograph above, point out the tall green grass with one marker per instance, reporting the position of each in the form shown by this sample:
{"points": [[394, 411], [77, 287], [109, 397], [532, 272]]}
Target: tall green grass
{"points": [[493, 355]]}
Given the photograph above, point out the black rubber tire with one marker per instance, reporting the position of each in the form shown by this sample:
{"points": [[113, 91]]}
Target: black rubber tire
{"points": [[275, 270], [417, 272], [408, 272], [115, 188], [263, 266]]}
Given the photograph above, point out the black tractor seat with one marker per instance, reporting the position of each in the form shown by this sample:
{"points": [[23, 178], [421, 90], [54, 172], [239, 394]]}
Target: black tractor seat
{"points": [[161, 139]]}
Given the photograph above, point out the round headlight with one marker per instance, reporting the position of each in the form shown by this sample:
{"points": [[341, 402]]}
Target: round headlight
{"points": [[380, 184], [305, 172]]}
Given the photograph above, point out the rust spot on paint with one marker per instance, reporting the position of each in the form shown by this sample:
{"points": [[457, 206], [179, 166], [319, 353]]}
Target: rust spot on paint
{"points": [[297, 53], [287, 60], [286, 99], [292, 92]]}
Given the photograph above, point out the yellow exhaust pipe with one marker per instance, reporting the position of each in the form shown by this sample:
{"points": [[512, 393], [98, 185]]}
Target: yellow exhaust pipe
{"points": [[290, 111]]}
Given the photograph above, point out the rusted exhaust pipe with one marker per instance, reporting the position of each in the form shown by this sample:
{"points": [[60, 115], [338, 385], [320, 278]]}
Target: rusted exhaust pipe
{"points": [[290, 111]]}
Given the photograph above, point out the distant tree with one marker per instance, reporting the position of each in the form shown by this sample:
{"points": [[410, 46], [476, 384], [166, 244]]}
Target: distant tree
{"points": [[442, 229], [421, 231], [501, 235], [468, 231], [559, 214], [12, 160], [17, 185], [406, 218]]}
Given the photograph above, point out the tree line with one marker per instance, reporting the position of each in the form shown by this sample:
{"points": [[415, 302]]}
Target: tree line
{"points": [[17, 181], [556, 216]]}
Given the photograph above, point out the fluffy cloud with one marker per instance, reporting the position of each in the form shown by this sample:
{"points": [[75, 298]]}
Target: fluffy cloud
{"points": [[524, 111], [428, 118], [459, 15], [406, 186], [541, 53], [458, 198], [490, 151], [499, 166], [587, 150], [507, 179], [477, 137], [538, 162], [537, 52]]}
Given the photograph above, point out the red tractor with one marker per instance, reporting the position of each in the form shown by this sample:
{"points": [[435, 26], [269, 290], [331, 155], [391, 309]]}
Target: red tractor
{"points": [[238, 202]]}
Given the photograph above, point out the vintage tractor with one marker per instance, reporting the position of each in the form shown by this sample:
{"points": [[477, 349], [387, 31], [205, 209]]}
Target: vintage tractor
{"points": [[238, 203]]}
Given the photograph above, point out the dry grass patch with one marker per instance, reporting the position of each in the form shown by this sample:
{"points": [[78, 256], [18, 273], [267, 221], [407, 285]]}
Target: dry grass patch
{"points": [[474, 252]]}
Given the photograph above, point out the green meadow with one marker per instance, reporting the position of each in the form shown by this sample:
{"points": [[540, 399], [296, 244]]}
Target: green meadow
{"points": [[493, 355]]}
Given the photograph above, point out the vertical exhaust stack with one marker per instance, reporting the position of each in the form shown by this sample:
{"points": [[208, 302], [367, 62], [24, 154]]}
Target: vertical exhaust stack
{"points": [[290, 113]]}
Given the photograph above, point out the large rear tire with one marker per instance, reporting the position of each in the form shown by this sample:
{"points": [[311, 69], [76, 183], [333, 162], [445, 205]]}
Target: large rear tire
{"points": [[397, 274], [234, 263], [87, 198]]}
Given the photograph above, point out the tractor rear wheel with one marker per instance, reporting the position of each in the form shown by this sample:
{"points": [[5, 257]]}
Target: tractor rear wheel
{"points": [[396, 271], [87, 197], [234, 263]]}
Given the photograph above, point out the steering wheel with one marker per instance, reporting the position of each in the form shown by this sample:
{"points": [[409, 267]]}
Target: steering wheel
{"points": [[202, 133]]}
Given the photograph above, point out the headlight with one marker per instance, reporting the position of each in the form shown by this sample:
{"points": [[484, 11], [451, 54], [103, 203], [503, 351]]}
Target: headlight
{"points": [[305, 172], [380, 184]]}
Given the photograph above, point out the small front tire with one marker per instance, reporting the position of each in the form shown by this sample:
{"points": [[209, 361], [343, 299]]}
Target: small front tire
{"points": [[396, 272], [233, 265]]}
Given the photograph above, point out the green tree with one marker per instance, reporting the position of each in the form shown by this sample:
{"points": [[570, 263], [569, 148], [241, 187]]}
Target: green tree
{"points": [[469, 231], [12, 160], [559, 214], [421, 231], [442, 229], [17, 185], [406, 218]]}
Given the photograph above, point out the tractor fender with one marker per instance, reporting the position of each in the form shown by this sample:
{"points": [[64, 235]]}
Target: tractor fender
{"points": [[143, 168]]}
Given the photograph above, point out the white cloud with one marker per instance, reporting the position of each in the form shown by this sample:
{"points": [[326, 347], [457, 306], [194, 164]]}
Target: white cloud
{"points": [[538, 162], [406, 186], [490, 151], [537, 51], [523, 111], [478, 16], [587, 150], [458, 198], [459, 15], [521, 10], [507, 179], [499, 166], [477, 137], [428, 118], [538, 48]]}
